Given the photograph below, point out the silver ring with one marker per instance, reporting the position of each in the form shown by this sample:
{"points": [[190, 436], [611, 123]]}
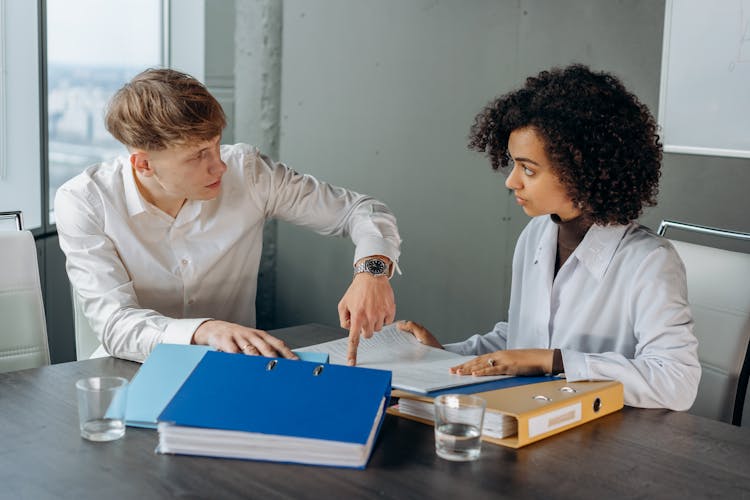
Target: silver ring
{"points": [[244, 347], [491, 362]]}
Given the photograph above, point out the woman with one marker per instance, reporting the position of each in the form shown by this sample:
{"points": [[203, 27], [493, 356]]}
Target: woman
{"points": [[594, 294]]}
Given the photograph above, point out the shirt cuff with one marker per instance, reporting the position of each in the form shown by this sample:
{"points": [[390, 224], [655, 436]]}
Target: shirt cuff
{"points": [[373, 245], [576, 365], [458, 348], [180, 331]]}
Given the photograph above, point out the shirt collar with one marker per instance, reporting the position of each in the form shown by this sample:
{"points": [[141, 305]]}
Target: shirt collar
{"points": [[189, 212], [598, 247], [135, 203]]}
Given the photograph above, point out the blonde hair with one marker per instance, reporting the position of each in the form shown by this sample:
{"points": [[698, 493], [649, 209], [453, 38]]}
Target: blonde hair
{"points": [[159, 108]]}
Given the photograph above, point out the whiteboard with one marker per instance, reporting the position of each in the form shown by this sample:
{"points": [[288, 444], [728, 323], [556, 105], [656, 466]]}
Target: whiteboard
{"points": [[704, 98]]}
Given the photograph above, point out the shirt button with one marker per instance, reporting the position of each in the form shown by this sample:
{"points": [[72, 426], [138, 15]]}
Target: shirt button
{"points": [[184, 262], [191, 302]]}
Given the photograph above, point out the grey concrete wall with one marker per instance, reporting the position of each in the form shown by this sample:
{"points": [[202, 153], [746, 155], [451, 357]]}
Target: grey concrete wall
{"points": [[257, 75], [219, 58], [379, 97], [704, 190]]}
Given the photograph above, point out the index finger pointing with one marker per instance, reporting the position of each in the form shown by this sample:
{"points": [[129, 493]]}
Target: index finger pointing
{"points": [[353, 344]]}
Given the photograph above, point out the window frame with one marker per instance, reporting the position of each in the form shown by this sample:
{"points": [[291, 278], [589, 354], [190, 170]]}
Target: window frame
{"points": [[3, 107], [45, 229], [19, 135]]}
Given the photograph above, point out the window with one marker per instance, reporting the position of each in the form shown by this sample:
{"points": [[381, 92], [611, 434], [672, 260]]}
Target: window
{"points": [[20, 170], [89, 57]]}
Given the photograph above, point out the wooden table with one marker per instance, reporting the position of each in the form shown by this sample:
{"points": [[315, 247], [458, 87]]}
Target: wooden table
{"points": [[633, 453]]}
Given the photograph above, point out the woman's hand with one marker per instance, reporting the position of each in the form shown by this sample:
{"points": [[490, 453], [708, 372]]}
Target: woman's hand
{"points": [[421, 333], [522, 362]]}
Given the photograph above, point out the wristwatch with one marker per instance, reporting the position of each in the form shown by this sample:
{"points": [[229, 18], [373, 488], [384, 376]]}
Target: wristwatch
{"points": [[374, 266]]}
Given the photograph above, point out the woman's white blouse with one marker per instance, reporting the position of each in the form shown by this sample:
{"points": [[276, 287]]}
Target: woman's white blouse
{"points": [[617, 310]]}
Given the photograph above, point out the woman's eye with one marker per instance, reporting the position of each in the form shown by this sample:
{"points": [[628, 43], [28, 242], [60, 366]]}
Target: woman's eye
{"points": [[528, 171]]}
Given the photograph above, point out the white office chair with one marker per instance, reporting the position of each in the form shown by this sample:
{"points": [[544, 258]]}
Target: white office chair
{"points": [[23, 330], [719, 295]]}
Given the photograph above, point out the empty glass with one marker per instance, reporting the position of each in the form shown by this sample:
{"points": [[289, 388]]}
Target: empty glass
{"points": [[101, 407]]}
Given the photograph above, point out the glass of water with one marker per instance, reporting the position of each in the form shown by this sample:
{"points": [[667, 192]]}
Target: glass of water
{"points": [[458, 426], [101, 407]]}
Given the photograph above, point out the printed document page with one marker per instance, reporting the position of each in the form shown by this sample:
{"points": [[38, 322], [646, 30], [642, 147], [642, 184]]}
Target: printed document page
{"points": [[415, 367]]}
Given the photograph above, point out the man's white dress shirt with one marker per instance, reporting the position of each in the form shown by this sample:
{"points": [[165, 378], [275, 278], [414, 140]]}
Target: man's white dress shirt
{"points": [[145, 278], [617, 310]]}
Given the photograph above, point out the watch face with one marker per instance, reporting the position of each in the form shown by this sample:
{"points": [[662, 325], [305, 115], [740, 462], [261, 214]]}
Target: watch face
{"points": [[375, 266]]}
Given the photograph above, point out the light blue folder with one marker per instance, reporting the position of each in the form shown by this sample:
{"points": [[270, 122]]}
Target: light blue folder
{"points": [[158, 380], [312, 357], [164, 372]]}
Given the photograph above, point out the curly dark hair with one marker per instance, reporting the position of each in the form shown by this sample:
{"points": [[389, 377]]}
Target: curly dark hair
{"points": [[601, 139]]}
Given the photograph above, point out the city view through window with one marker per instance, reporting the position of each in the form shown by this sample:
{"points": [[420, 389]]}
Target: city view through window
{"points": [[88, 59]]}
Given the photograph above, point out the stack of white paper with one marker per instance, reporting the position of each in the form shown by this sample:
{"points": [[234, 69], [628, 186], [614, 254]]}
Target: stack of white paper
{"points": [[415, 367], [495, 425]]}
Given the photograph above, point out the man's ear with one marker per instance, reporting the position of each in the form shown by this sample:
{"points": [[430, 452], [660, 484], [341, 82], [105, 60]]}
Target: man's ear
{"points": [[140, 162]]}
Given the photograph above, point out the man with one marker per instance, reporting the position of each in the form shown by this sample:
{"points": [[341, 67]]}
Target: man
{"points": [[164, 245]]}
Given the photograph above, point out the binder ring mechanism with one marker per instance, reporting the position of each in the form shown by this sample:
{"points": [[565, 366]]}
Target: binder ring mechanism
{"points": [[596, 406], [542, 397], [272, 364]]}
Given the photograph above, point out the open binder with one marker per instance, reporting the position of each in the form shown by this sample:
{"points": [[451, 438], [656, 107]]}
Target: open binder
{"points": [[531, 412], [250, 407]]}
